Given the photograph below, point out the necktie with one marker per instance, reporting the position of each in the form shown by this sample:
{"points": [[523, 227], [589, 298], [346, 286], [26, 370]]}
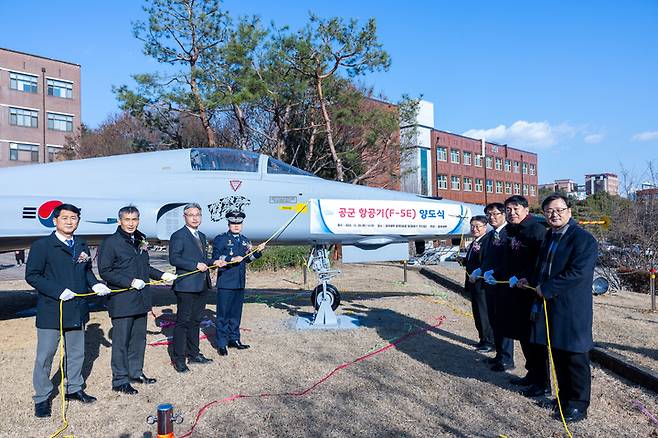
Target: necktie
{"points": [[69, 242], [197, 238]]}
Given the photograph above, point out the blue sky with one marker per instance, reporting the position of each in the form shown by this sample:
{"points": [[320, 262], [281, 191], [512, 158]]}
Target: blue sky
{"points": [[576, 82]]}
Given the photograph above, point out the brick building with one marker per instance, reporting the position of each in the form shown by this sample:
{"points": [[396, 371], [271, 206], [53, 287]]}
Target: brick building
{"points": [[39, 106], [602, 182]]}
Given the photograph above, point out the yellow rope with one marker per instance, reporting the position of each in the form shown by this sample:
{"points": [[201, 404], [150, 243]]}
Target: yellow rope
{"points": [[65, 423]]}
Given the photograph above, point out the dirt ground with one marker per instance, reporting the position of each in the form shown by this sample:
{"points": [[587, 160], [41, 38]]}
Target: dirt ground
{"points": [[432, 383]]}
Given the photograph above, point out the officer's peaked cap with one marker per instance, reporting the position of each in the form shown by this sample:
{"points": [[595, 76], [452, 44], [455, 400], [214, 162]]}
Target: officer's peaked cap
{"points": [[235, 217]]}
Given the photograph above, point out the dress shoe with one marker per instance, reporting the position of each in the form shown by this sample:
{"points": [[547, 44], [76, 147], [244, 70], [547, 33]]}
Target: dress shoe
{"points": [[222, 351], [520, 381], [493, 360], [125, 388], [199, 358], [237, 344], [535, 390], [42, 410], [181, 367], [485, 349], [572, 415], [81, 396], [143, 380], [499, 367]]}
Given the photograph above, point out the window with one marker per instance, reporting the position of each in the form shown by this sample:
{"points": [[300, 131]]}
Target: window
{"points": [[499, 163], [442, 153], [489, 186], [478, 160], [24, 152], [228, 160], [60, 88], [499, 187], [525, 189], [478, 184], [468, 184], [508, 166], [21, 82], [516, 167], [533, 191], [442, 181], [454, 183], [454, 156], [508, 188], [277, 167], [488, 162], [532, 169], [517, 188], [53, 150], [60, 122], [22, 117], [424, 171], [467, 158], [525, 168]]}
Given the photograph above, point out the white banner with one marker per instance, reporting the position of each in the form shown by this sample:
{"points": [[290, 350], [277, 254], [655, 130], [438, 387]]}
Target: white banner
{"points": [[378, 217]]}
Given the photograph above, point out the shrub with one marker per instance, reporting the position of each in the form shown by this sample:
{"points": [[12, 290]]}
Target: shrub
{"points": [[279, 257]]}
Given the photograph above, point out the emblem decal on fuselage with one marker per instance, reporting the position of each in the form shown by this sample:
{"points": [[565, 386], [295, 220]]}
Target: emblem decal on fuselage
{"points": [[219, 209], [45, 213]]}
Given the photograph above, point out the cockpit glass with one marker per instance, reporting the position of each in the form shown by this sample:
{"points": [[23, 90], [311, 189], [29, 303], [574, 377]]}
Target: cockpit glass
{"points": [[275, 166], [227, 160]]}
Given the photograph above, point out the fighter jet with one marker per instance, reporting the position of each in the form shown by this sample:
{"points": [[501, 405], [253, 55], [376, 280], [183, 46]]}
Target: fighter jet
{"points": [[370, 223]]}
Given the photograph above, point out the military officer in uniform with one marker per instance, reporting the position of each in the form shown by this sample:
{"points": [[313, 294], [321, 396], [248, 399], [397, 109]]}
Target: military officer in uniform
{"points": [[232, 248], [123, 262], [59, 266]]}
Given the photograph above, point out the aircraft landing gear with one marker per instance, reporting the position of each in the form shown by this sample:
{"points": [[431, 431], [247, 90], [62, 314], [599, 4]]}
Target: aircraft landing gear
{"points": [[325, 297]]}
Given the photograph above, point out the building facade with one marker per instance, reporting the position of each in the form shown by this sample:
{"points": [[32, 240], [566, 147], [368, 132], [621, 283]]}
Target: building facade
{"points": [[567, 186], [602, 182], [479, 172], [39, 107]]}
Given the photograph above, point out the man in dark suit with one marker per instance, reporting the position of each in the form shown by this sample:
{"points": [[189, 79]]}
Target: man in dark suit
{"points": [[493, 259], [563, 276], [526, 235], [475, 286], [188, 252], [123, 262], [232, 248], [59, 267]]}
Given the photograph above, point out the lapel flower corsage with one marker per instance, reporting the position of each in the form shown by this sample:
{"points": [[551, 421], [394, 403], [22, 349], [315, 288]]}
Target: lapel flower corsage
{"points": [[476, 246], [83, 257], [515, 244], [143, 246]]}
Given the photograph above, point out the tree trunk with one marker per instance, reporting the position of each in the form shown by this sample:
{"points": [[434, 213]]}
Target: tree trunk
{"points": [[203, 113], [330, 139]]}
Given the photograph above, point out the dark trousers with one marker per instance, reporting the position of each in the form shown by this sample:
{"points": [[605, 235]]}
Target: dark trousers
{"points": [[229, 314], [574, 378], [128, 346], [504, 346], [536, 363], [480, 306], [190, 307]]}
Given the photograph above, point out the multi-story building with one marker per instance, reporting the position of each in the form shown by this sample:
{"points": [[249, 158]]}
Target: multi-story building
{"points": [[602, 182], [39, 106], [567, 186]]}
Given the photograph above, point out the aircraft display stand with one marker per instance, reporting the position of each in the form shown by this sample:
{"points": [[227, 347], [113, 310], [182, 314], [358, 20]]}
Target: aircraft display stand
{"points": [[325, 298]]}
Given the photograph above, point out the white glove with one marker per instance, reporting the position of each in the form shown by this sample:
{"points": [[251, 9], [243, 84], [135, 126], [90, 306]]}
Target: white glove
{"points": [[168, 276], [474, 275], [67, 295], [138, 284], [101, 289]]}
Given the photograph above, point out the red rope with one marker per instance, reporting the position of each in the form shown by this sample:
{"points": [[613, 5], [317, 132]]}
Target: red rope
{"points": [[316, 384]]}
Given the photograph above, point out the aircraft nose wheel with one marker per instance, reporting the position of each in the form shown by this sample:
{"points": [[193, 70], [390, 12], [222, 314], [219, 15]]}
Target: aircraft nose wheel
{"points": [[332, 295]]}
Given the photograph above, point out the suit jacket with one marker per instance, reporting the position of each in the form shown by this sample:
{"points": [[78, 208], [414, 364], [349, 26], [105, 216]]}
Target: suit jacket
{"points": [[119, 263], [568, 291], [225, 247], [52, 267], [184, 254], [473, 260]]}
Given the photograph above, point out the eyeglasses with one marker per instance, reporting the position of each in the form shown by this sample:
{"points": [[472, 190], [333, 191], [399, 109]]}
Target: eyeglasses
{"points": [[491, 213], [559, 211]]}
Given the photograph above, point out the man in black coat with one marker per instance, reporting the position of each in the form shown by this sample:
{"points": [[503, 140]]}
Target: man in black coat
{"points": [[59, 267], [475, 286], [188, 252], [563, 276], [526, 235], [232, 248], [493, 259], [123, 262]]}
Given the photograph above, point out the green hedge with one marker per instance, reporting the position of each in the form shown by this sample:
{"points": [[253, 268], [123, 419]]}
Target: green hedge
{"points": [[278, 257]]}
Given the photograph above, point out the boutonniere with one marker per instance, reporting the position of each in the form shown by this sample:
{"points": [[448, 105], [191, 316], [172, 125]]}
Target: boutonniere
{"points": [[83, 257], [476, 246], [515, 244], [143, 246]]}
